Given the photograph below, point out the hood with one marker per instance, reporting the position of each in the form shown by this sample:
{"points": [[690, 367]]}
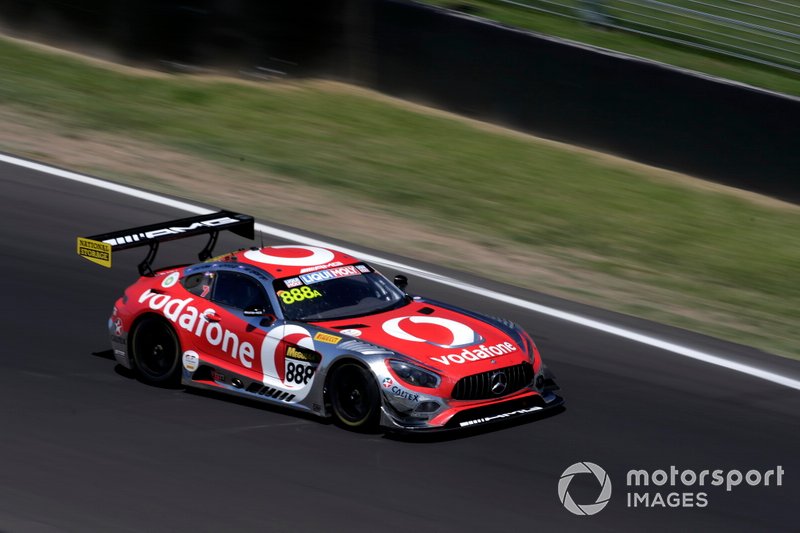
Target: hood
{"points": [[444, 339]]}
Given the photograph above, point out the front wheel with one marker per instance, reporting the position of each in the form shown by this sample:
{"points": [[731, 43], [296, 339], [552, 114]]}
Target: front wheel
{"points": [[155, 351], [355, 398]]}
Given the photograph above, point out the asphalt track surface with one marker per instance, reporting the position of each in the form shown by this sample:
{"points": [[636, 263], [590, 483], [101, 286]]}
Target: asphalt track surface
{"points": [[85, 447]]}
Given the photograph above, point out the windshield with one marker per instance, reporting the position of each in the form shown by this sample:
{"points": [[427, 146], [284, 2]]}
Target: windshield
{"points": [[342, 292]]}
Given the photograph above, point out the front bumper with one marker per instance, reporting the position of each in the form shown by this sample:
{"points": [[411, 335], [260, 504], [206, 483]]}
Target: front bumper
{"points": [[474, 414]]}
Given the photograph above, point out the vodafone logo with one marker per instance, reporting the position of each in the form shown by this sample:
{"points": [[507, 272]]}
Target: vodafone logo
{"points": [[445, 333], [294, 255], [437, 331], [189, 317]]}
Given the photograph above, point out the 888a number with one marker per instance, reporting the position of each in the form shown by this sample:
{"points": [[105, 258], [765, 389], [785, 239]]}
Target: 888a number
{"points": [[298, 294], [299, 373]]}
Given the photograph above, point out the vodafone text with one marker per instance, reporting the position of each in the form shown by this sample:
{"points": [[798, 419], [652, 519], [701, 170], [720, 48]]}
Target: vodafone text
{"points": [[188, 317], [481, 352]]}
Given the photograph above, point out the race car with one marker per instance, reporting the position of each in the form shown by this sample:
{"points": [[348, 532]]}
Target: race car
{"points": [[316, 330]]}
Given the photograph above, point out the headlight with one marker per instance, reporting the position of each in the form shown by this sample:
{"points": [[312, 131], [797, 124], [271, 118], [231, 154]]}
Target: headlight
{"points": [[414, 375]]}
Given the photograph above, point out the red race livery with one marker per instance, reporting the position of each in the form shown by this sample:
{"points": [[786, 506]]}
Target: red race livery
{"points": [[316, 330]]}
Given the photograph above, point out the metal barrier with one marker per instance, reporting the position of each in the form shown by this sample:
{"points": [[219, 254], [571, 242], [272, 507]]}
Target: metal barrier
{"points": [[759, 31], [642, 110]]}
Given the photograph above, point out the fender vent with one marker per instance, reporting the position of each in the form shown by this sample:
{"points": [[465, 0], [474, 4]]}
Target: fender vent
{"points": [[426, 311]]}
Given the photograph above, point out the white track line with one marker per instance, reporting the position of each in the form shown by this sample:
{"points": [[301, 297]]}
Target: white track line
{"points": [[444, 280]]}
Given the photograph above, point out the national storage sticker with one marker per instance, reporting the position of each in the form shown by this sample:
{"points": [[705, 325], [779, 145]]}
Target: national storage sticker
{"points": [[95, 251]]}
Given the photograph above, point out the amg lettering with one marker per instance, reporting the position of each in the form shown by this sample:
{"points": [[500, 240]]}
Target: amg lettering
{"points": [[172, 230], [500, 416], [321, 267], [179, 229]]}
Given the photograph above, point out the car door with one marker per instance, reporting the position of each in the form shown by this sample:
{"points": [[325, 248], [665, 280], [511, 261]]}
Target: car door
{"points": [[233, 321]]}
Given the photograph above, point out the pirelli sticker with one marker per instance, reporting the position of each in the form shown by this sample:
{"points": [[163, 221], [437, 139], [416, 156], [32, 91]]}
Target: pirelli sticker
{"points": [[95, 251], [327, 337]]}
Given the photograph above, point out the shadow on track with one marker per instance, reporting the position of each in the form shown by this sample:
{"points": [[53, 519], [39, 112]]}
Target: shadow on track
{"points": [[410, 438], [103, 354]]}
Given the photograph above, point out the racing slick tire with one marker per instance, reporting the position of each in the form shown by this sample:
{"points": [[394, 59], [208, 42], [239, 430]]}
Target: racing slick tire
{"points": [[156, 352], [354, 398]]}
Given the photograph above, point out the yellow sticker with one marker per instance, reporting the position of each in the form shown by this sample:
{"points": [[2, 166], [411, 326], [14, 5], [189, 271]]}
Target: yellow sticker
{"points": [[302, 354], [298, 294], [95, 251], [327, 337]]}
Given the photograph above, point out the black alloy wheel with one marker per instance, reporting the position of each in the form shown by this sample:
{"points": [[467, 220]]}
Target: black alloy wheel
{"points": [[155, 351], [354, 397]]}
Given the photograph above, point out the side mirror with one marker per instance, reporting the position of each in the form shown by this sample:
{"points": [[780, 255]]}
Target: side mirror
{"points": [[401, 282]]}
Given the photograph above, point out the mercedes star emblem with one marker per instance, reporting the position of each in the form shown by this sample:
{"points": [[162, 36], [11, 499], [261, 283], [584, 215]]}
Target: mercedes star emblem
{"points": [[499, 383]]}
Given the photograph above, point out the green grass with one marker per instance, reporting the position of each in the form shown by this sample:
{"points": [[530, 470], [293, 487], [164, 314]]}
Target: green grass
{"points": [[717, 263], [650, 48]]}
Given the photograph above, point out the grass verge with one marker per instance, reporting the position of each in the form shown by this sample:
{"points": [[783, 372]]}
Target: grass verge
{"points": [[566, 221], [649, 48]]}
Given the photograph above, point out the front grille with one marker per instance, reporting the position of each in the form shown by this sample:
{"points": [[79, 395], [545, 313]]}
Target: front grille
{"points": [[480, 386]]}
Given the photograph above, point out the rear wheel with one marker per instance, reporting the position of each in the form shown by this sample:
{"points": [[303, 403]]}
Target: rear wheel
{"points": [[354, 397], [155, 351]]}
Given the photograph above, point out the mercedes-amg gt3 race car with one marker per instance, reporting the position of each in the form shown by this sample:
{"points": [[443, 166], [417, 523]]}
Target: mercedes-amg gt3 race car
{"points": [[316, 330]]}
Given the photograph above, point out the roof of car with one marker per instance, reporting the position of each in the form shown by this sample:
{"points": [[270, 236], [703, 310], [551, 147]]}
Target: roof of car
{"points": [[291, 260]]}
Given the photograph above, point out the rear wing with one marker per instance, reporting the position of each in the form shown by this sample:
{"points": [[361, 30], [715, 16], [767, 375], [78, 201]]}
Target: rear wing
{"points": [[98, 248]]}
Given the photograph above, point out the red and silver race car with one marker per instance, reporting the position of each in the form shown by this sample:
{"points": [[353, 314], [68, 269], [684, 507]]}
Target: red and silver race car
{"points": [[316, 330]]}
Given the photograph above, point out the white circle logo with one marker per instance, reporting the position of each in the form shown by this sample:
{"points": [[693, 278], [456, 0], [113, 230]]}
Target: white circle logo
{"points": [[589, 508], [460, 334], [298, 256], [190, 360], [170, 280]]}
